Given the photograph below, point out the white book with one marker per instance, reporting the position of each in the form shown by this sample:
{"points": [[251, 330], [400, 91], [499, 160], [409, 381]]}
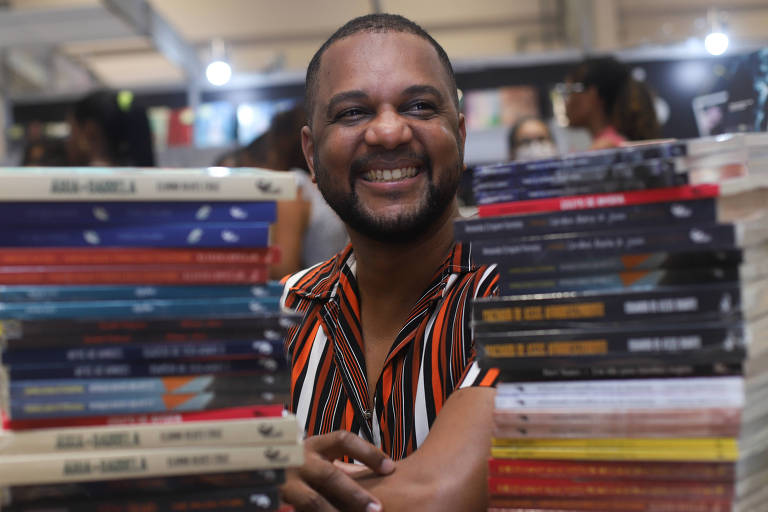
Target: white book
{"points": [[236, 432], [118, 464], [144, 184]]}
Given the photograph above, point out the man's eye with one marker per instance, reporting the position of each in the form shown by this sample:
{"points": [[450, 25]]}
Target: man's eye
{"points": [[421, 107], [350, 113]]}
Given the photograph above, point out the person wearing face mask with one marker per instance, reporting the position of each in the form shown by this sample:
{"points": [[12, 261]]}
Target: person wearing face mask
{"points": [[530, 139]]}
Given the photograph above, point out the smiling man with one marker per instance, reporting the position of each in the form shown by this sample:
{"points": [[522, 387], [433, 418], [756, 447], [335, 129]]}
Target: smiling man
{"points": [[383, 368]]}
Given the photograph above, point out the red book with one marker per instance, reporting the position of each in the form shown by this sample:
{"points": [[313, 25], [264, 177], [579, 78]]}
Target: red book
{"points": [[604, 504], [134, 274], [134, 256], [609, 470], [589, 201], [645, 489], [230, 413]]}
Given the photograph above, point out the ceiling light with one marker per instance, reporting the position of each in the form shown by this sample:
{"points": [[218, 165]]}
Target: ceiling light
{"points": [[218, 72], [716, 42]]}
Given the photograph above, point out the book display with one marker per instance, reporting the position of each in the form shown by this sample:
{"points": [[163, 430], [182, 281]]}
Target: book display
{"points": [[630, 334], [142, 343]]}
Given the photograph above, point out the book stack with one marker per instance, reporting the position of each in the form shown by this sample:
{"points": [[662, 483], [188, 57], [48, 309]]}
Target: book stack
{"points": [[630, 331], [141, 341]]}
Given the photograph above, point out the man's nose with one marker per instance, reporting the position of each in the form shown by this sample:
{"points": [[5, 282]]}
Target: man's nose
{"points": [[388, 129]]}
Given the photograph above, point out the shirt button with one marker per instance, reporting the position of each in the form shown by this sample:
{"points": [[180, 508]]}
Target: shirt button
{"points": [[367, 414]]}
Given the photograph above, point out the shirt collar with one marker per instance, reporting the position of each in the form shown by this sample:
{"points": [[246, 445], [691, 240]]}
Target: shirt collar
{"points": [[326, 278]]}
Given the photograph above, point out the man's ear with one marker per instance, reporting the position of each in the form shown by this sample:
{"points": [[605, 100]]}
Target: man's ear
{"points": [[308, 148], [462, 131]]}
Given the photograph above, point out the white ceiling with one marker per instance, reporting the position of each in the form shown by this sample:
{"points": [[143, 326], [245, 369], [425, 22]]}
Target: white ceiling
{"points": [[279, 36]]}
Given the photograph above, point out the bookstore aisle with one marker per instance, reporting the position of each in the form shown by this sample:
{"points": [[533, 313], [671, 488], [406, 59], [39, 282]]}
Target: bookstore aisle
{"points": [[630, 334], [142, 358]]}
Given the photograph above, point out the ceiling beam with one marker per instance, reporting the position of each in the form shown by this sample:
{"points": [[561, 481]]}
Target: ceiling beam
{"points": [[147, 22]]}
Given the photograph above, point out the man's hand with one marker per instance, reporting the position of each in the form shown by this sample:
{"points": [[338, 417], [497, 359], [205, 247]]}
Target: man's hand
{"points": [[320, 485]]}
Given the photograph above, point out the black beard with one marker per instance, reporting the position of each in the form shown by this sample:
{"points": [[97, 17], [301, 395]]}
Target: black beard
{"points": [[404, 228]]}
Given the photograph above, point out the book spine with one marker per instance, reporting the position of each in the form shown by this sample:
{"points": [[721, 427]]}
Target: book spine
{"points": [[585, 343], [529, 504], [130, 486], [250, 432], [632, 489], [610, 307], [36, 293], [585, 416], [682, 238], [698, 211], [144, 369], [224, 348], [143, 213], [103, 465], [226, 500], [628, 280], [618, 454], [137, 256], [618, 430], [634, 368], [104, 184], [25, 333], [135, 275], [151, 308], [614, 364], [710, 472], [229, 413], [69, 388], [246, 234], [701, 385], [588, 201]]}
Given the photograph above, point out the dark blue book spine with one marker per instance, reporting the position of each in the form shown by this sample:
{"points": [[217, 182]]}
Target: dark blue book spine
{"points": [[143, 369], [639, 240], [244, 234], [142, 213], [702, 211], [147, 351], [29, 293], [139, 309]]}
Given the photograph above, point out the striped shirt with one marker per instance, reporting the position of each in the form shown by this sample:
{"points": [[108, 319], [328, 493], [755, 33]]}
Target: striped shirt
{"points": [[432, 355]]}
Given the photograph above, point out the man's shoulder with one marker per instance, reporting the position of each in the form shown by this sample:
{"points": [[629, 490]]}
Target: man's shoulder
{"points": [[315, 282]]}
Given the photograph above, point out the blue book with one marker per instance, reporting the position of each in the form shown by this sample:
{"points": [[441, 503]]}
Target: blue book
{"points": [[243, 234], [39, 293], [71, 388], [147, 351], [140, 309], [139, 212], [143, 368], [135, 404]]}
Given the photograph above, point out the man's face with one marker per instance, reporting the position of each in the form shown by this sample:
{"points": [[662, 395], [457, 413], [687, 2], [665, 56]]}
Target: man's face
{"points": [[386, 142]]}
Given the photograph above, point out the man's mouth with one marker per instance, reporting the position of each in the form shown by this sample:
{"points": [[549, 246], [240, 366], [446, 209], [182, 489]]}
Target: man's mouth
{"points": [[389, 175]]}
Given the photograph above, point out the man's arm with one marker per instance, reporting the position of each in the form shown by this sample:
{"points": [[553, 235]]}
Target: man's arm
{"points": [[449, 471]]}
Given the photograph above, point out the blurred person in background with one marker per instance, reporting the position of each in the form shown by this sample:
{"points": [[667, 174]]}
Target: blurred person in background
{"points": [[107, 128], [530, 139], [45, 152], [307, 230], [603, 97]]}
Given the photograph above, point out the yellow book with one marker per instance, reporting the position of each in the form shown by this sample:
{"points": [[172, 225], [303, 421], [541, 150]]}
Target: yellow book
{"points": [[613, 453], [639, 443]]}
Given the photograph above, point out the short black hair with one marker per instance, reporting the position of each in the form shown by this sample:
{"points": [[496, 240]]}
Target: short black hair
{"points": [[374, 23], [607, 75]]}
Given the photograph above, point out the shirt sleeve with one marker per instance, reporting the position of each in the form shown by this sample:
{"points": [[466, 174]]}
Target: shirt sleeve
{"points": [[487, 286]]}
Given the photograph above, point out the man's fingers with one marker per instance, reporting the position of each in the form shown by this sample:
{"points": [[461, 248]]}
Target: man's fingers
{"points": [[303, 498], [343, 443], [337, 487]]}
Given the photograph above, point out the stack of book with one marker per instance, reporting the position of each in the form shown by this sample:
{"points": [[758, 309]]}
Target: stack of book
{"points": [[141, 341], [630, 331]]}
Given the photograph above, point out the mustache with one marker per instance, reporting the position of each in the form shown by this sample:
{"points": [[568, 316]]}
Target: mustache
{"points": [[363, 163]]}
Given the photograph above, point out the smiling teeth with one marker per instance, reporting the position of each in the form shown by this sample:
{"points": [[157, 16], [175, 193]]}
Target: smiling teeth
{"points": [[386, 175]]}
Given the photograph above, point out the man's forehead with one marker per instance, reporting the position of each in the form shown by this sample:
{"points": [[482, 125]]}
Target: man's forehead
{"points": [[364, 53]]}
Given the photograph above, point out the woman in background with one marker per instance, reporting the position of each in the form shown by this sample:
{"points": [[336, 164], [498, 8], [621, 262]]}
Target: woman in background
{"points": [[530, 139], [107, 128], [605, 99]]}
